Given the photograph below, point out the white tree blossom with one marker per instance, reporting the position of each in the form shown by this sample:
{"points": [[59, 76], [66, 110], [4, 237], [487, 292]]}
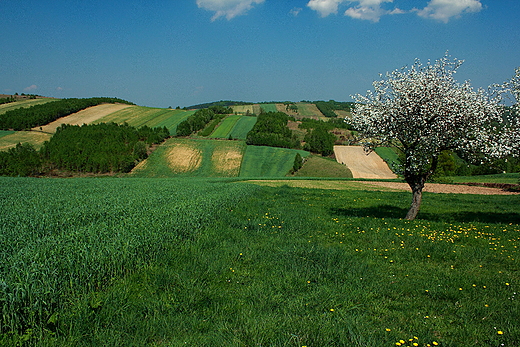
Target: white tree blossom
{"points": [[423, 111]]}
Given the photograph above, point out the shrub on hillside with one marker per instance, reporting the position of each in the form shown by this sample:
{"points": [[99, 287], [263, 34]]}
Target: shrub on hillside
{"points": [[271, 130]]}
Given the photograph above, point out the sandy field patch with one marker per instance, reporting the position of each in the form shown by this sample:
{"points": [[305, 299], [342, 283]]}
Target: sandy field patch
{"points": [[182, 158], [85, 116], [227, 160], [362, 165]]}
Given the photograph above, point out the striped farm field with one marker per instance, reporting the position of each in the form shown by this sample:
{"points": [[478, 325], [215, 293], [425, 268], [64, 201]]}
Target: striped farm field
{"points": [[242, 127], [307, 110], [193, 158], [235, 126], [244, 109], [24, 103], [263, 161], [139, 116], [225, 127], [34, 138], [269, 107]]}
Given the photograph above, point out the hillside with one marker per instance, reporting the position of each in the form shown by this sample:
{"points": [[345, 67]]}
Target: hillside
{"points": [[216, 156]]}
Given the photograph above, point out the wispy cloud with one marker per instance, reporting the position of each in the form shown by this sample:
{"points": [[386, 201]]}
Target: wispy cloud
{"points": [[372, 10], [227, 8], [363, 9], [30, 88], [444, 10], [295, 11]]}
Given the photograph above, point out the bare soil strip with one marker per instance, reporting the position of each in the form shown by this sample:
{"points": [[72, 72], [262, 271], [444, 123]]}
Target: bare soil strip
{"points": [[383, 186], [227, 160], [183, 158], [85, 116], [362, 165], [443, 188]]}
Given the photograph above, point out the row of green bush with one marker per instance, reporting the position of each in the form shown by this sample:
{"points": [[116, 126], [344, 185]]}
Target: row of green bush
{"points": [[271, 130], [7, 100], [37, 115]]}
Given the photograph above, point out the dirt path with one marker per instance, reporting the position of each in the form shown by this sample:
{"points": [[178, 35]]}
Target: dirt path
{"points": [[362, 165], [383, 186], [442, 188], [85, 116]]}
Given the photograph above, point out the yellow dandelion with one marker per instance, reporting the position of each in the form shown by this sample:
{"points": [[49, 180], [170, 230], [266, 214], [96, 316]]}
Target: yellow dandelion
{"points": [[388, 329], [331, 310], [500, 332], [435, 343]]}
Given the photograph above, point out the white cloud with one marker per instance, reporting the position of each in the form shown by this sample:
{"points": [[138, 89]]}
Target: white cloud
{"points": [[444, 10], [295, 11], [227, 8], [30, 88], [324, 7], [368, 10], [365, 9]]}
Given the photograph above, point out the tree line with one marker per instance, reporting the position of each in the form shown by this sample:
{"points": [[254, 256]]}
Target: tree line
{"points": [[328, 107], [7, 100], [271, 130], [37, 115], [200, 119], [96, 148]]}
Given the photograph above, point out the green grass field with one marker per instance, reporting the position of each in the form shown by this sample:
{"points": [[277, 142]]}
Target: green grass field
{"points": [[6, 132], [269, 107], [243, 109], [23, 103], [235, 126], [263, 161], [139, 116], [309, 111], [390, 156], [316, 166], [193, 158], [508, 178], [35, 138], [176, 262], [243, 126], [225, 127]]}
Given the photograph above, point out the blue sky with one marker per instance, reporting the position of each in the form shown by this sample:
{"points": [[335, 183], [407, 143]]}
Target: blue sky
{"points": [[183, 52]]}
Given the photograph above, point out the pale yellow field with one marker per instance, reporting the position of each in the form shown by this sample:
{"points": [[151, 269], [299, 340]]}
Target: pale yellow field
{"points": [[85, 116], [35, 138], [242, 109], [184, 158], [226, 161]]}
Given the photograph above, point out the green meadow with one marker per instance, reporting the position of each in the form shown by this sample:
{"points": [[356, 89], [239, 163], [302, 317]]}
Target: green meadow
{"points": [[234, 126], [263, 161], [193, 158], [221, 262], [269, 107], [6, 132]]}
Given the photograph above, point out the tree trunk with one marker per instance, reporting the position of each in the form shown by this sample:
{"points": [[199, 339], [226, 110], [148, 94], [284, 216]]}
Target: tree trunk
{"points": [[416, 183]]}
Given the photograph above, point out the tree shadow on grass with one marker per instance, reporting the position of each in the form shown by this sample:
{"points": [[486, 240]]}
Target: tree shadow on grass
{"points": [[390, 211]]}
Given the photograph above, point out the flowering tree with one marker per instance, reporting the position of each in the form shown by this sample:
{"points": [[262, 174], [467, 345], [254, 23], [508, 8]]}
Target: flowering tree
{"points": [[512, 88], [423, 111]]}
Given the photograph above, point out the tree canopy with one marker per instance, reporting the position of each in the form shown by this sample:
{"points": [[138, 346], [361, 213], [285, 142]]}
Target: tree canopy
{"points": [[422, 110]]}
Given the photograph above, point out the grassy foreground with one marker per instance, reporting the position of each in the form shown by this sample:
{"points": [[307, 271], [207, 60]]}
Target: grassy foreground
{"points": [[198, 262]]}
